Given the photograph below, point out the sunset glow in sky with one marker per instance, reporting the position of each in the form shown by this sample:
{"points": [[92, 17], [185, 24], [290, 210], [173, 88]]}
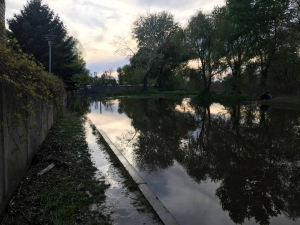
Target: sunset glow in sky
{"points": [[95, 23]]}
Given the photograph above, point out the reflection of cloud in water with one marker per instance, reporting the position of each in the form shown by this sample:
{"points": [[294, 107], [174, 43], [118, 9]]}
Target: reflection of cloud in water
{"points": [[161, 143], [215, 108], [112, 123], [190, 196]]}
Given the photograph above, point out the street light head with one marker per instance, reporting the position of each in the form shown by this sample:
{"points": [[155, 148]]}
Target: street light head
{"points": [[50, 37]]}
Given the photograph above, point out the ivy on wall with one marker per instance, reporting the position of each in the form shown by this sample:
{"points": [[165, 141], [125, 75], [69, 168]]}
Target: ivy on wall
{"points": [[27, 82]]}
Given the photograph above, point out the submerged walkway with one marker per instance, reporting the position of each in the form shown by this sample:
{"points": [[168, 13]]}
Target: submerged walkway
{"points": [[124, 206], [159, 208]]}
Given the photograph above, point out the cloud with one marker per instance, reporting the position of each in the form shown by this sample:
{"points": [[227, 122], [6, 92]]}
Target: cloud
{"points": [[95, 23], [103, 65]]}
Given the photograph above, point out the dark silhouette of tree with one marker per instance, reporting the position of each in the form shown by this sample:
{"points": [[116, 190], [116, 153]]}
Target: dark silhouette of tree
{"points": [[30, 28], [254, 154]]}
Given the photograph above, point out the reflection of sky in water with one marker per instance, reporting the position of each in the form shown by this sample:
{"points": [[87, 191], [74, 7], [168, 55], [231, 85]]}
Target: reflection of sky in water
{"points": [[188, 201]]}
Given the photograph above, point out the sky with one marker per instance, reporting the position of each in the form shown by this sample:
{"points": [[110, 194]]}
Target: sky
{"points": [[95, 23]]}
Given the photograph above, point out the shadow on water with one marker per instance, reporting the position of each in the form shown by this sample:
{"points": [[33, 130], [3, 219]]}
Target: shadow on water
{"points": [[252, 153]]}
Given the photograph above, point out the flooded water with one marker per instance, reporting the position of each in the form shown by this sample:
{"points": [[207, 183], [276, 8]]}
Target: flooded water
{"points": [[123, 206], [210, 165]]}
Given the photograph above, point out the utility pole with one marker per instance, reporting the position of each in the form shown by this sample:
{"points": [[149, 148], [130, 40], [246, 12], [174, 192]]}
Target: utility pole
{"points": [[50, 38]]}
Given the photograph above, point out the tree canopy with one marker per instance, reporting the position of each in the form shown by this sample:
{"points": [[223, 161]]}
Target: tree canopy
{"points": [[31, 26], [257, 42]]}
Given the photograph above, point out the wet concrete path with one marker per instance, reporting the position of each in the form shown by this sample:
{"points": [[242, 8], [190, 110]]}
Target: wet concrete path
{"points": [[122, 205]]}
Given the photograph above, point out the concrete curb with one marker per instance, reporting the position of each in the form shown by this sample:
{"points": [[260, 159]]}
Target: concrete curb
{"points": [[165, 216]]}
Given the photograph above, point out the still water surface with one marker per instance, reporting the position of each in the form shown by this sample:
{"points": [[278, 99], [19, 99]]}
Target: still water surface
{"points": [[210, 165]]}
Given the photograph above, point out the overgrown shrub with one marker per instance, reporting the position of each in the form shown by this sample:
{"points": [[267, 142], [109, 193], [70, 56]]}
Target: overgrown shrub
{"points": [[26, 82], [108, 93], [232, 96]]}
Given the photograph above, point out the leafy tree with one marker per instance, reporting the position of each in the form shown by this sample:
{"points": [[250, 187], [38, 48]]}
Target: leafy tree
{"points": [[174, 53], [265, 24], [128, 74], [83, 77], [120, 75], [30, 28], [107, 78], [203, 40], [152, 33], [233, 43]]}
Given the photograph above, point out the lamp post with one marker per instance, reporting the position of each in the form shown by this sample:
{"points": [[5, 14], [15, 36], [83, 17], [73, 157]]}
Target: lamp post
{"points": [[50, 39]]}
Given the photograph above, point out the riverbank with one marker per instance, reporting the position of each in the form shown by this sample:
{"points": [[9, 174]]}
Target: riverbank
{"points": [[284, 101], [153, 93], [220, 97], [63, 194]]}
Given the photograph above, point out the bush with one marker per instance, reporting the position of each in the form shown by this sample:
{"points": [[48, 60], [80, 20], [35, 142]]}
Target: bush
{"points": [[108, 93], [232, 96], [207, 97], [27, 82]]}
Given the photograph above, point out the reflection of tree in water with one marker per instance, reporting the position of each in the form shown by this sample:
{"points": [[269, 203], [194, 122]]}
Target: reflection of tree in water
{"points": [[81, 106], [160, 130], [255, 155], [108, 104]]}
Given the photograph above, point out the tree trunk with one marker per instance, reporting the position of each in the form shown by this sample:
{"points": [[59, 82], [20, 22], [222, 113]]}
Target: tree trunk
{"points": [[147, 75], [204, 77], [264, 75], [145, 83]]}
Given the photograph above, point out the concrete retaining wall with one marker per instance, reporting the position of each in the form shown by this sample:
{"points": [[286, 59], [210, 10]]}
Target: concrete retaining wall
{"points": [[18, 145]]}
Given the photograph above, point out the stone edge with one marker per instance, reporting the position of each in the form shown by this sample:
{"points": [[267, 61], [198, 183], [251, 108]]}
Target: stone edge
{"points": [[165, 216]]}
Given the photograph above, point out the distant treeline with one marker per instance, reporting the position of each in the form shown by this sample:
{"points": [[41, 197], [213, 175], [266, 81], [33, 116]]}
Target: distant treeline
{"points": [[255, 41]]}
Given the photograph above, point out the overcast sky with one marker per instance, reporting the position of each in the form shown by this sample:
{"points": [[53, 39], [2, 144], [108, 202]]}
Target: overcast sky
{"points": [[96, 22]]}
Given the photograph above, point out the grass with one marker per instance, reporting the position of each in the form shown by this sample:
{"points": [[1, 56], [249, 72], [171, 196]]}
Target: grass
{"points": [[231, 96], [155, 93], [292, 102], [60, 196]]}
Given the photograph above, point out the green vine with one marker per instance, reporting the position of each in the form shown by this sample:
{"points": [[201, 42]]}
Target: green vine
{"points": [[25, 82]]}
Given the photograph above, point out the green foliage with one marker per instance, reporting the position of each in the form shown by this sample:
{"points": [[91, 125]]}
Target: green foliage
{"points": [[203, 40], [174, 53], [108, 93], [257, 42], [232, 96], [121, 75], [152, 32], [206, 97], [82, 107], [30, 28], [107, 78], [61, 198], [26, 83], [28, 79], [180, 93]]}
